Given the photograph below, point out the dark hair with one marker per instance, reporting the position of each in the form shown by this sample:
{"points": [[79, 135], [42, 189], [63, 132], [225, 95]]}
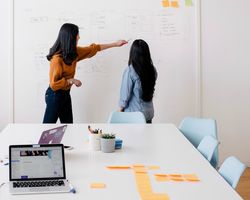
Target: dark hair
{"points": [[141, 61], [65, 44]]}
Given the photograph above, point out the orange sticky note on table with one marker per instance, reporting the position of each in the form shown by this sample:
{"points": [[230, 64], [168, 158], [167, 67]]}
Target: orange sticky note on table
{"points": [[97, 185], [118, 167], [161, 178], [176, 178], [161, 175], [153, 167], [175, 4], [191, 177]]}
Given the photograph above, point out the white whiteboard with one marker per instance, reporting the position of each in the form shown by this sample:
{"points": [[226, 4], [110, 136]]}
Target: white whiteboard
{"points": [[172, 35]]}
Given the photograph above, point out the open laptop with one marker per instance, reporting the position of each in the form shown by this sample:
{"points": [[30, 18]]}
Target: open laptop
{"points": [[52, 136], [37, 169]]}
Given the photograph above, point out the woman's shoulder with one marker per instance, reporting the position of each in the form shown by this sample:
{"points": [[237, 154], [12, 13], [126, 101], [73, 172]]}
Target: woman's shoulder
{"points": [[56, 58]]}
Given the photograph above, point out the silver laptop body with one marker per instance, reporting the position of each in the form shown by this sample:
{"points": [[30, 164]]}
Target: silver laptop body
{"points": [[37, 169]]}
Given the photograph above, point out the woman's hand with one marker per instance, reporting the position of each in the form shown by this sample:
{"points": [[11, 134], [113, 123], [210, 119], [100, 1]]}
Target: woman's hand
{"points": [[120, 43], [76, 82]]}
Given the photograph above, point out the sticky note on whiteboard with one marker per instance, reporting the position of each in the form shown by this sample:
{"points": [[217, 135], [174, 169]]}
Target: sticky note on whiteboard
{"points": [[188, 2], [175, 4], [165, 3]]}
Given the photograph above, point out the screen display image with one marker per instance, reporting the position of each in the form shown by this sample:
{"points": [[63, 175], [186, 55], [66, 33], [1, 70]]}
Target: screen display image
{"points": [[39, 162]]}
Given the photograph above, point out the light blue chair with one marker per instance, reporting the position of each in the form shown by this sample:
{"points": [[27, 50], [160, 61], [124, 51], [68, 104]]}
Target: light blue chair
{"points": [[194, 129], [207, 147], [127, 117], [231, 170]]}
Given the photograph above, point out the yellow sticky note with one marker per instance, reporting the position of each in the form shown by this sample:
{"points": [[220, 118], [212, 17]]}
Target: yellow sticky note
{"points": [[153, 167], [175, 4], [188, 3], [97, 185], [165, 3]]}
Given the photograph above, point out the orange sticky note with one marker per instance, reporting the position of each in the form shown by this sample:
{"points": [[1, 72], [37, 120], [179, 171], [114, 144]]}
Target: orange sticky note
{"points": [[191, 177], [161, 178], [118, 167], [165, 3], [153, 167], [175, 175], [176, 178], [97, 185], [138, 165], [161, 175], [175, 4]]}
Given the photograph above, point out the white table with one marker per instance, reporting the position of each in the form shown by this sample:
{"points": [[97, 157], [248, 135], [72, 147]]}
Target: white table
{"points": [[156, 144]]}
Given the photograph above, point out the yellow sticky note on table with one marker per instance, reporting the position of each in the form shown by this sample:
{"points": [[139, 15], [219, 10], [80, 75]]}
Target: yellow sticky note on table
{"points": [[97, 185], [188, 2], [175, 4]]}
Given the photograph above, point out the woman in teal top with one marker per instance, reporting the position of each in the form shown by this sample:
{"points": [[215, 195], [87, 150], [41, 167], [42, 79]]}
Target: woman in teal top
{"points": [[138, 82]]}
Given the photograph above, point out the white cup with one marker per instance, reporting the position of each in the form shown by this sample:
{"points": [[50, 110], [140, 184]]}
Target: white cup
{"points": [[95, 141]]}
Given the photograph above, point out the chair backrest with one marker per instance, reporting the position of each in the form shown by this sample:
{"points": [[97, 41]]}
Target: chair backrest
{"points": [[194, 129], [127, 117], [231, 170], [207, 146]]}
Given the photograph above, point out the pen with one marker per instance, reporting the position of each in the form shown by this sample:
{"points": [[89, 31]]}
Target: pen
{"points": [[72, 189], [2, 184]]}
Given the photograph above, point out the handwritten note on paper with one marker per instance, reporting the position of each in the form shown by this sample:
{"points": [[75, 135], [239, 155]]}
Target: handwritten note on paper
{"points": [[188, 2]]}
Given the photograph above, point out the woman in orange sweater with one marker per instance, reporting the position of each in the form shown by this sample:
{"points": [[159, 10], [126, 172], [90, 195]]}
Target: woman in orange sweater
{"points": [[63, 57]]}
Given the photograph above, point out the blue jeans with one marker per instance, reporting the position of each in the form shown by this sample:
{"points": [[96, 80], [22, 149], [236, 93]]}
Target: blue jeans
{"points": [[58, 105]]}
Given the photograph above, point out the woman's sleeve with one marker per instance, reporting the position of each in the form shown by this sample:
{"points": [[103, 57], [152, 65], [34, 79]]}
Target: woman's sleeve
{"points": [[57, 82], [126, 89], [87, 52]]}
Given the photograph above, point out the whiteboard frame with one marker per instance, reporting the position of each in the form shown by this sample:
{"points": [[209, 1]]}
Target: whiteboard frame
{"points": [[198, 67]]}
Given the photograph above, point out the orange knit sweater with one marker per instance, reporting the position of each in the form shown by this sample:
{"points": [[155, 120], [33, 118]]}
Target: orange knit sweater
{"points": [[60, 72]]}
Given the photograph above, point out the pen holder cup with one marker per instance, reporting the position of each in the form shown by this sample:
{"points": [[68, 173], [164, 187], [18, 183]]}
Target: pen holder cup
{"points": [[95, 142]]}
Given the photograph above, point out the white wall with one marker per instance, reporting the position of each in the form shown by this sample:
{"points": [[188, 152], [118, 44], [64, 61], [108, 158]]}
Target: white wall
{"points": [[225, 71], [5, 67]]}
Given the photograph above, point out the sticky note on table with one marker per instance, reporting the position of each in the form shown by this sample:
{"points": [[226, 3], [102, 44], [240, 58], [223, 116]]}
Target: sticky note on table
{"points": [[153, 167], [161, 178], [188, 2], [191, 177], [97, 185], [118, 167]]}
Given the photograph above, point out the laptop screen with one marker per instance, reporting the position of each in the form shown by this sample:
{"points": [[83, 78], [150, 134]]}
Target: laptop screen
{"points": [[32, 162]]}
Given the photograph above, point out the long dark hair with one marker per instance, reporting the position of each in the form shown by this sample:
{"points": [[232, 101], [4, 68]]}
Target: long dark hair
{"points": [[140, 59], [65, 44]]}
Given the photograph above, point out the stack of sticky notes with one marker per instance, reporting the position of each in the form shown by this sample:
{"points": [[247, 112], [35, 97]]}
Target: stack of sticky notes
{"points": [[176, 177], [118, 144]]}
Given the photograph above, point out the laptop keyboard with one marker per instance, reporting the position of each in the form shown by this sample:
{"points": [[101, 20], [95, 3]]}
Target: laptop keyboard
{"points": [[23, 184]]}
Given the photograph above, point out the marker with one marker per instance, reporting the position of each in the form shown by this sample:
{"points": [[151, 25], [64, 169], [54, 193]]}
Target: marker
{"points": [[2, 184], [72, 189]]}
